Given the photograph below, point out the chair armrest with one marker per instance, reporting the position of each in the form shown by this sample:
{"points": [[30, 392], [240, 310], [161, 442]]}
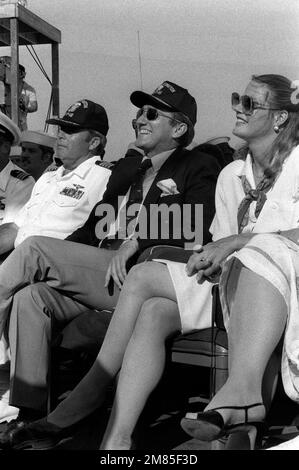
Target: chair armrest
{"points": [[217, 316]]}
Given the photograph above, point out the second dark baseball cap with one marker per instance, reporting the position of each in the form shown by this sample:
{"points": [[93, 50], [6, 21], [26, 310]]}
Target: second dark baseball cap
{"points": [[84, 114], [169, 96]]}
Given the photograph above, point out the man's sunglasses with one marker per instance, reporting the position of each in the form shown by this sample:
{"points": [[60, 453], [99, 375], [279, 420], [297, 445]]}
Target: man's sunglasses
{"points": [[248, 104], [152, 114]]}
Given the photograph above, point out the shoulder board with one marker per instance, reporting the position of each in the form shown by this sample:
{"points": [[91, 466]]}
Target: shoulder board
{"points": [[20, 175], [105, 164]]}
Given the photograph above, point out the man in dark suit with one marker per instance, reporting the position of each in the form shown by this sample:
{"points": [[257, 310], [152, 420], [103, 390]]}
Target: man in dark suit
{"points": [[47, 282]]}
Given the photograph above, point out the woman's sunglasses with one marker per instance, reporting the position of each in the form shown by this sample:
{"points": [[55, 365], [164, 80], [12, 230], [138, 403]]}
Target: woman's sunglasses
{"points": [[247, 103], [152, 114]]}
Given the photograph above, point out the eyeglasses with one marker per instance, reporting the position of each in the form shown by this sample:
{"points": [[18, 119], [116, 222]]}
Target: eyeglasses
{"points": [[248, 104], [152, 114]]}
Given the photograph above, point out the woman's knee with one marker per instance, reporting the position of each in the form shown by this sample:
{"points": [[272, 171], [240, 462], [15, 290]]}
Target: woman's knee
{"points": [[141, 275], [158, 315]]}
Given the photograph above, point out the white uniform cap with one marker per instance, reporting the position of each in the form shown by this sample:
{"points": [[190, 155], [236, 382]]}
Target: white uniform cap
{"points": [[7, 126], [15, 151], [39, 138]]}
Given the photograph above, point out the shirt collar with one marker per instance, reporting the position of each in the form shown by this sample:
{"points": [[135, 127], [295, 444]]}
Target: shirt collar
{"points": [[246, 170], [81, 170], [159, 159]]}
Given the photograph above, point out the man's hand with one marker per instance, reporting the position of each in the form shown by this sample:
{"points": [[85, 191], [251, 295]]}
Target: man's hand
{"points": [[117, 267], [206, 261], [132, 146]]}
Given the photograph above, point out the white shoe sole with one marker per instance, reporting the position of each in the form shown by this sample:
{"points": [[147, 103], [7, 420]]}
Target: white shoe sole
{"points": [[7, 412]]}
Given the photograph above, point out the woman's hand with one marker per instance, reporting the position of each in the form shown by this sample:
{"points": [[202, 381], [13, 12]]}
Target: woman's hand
{"points": [[206, 261]]}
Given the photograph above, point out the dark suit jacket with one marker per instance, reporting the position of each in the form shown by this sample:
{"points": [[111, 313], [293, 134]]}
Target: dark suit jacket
{"points": [[195, 174], [223, 152]]}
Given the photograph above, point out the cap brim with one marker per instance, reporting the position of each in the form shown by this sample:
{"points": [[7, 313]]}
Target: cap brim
{"points": [[11, 128], [139, 99], [62, 122]]}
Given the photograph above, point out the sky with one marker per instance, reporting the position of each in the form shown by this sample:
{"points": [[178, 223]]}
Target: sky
{"points": [[110, 48]]}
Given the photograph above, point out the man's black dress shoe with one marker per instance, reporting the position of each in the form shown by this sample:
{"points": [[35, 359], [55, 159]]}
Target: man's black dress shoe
{"points": [[38, 435]]}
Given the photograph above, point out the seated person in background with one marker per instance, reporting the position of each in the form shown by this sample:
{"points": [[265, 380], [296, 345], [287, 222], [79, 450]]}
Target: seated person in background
{"points": [[223, 144], [66, 277], [15, 185], [15, 155], [160, 299], [27, 99], [37, 150], [219, 147]]}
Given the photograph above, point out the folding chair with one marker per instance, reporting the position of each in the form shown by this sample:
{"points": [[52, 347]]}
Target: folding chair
{"points": [[206, 348]]}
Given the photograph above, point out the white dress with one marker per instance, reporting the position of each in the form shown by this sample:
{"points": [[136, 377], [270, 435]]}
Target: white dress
{"points": [[276, 259], [280, 212]]}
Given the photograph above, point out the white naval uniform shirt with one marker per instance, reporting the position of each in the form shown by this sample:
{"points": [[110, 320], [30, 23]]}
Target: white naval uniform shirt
{"points": [[14, 192], [60, 204], [280, 211]]}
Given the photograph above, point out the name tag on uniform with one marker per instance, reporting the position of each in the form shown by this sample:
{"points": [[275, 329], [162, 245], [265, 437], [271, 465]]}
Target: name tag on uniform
{"points": [[74, 192]]}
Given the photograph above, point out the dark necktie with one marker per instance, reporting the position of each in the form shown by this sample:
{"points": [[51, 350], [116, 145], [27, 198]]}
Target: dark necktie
{"points": [[258, 195], [135, 197], [136, 191]]}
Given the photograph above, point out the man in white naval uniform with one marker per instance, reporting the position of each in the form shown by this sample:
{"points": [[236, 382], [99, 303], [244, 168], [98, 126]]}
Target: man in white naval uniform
{"points": [[15, 184], [62, 199]]}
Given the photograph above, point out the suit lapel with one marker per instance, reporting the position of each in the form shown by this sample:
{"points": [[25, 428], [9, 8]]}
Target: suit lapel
{"points": [[122, 177]]}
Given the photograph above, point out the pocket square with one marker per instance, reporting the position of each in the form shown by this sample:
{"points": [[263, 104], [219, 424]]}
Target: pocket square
{"points": [[168, 187]]}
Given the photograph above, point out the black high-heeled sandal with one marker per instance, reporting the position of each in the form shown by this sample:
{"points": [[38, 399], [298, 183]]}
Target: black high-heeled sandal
{"points": [[209, 425]]}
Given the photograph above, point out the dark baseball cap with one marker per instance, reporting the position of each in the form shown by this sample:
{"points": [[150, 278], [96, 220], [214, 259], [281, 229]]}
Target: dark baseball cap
{"points": [[84, 114], [170, 97]]}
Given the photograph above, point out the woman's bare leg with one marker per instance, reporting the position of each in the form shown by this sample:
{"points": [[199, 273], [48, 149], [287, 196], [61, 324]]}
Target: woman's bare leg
{"points": [[144, 281], [142, 368], [257, 320]]}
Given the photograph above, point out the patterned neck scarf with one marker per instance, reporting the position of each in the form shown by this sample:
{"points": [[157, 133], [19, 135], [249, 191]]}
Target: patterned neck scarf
{"points": [[258, 195]]}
